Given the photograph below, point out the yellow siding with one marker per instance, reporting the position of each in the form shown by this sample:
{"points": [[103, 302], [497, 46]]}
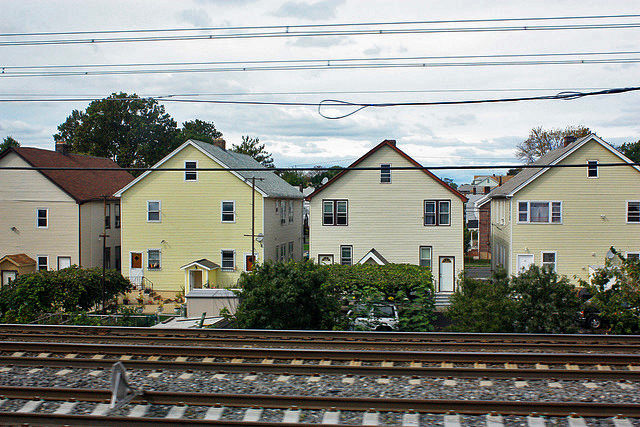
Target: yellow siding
{"points": [[191, 227], [387, 217], [593, 213]]}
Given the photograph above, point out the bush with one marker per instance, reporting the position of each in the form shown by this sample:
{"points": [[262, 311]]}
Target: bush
{"points": [[290, 295], [31, 296]]}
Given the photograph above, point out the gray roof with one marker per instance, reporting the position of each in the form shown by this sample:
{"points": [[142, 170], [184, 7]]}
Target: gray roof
{"points": [[526, 174], [270, 184]]}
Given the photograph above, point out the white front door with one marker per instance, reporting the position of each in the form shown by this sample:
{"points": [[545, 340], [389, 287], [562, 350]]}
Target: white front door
{"points": [[524, 261], [446, 273], [195, 279], [8, 276], [136, 273]]}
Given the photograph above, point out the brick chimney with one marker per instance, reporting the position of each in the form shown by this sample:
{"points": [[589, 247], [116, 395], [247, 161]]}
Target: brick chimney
{"points": [[568, 140], [62, 147], [390, 142], [220, 142]]}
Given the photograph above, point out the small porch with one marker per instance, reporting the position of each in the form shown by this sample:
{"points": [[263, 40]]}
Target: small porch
{"points": [[200, 274]]}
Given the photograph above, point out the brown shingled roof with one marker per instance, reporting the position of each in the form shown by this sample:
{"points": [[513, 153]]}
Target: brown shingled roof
{"points": [[19, 260], [82, 185]]}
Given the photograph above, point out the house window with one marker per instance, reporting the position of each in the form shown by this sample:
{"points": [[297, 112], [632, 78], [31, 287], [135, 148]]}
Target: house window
{"points": [[425, 256], [290, 210], [153, 259], [346, 255], [592, 168], [437, 212], [118, 258], [153, 211], [191, 173], [334, 212], [283, 212], [107, 216], [228, 260], [64, 262], [385, 173], [107, 258], [116, 211], [540, 212], [43, 263], [549, 260], [633, 255], [291, 250], [42, 218], [283, 252], [633, 211], [228, 211]]}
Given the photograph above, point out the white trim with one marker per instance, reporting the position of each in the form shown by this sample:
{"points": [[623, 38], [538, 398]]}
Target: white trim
{"points": [[626, 211], [597, 169], [222, 267], [371, 255], [159, 259], [196, 263], [46, 217], [533, 257], [58, 261], [222, 202], [555, 259], [549, 202], [244, 258], [38, 262], [159, 211], [420, 247], [190, 171]]}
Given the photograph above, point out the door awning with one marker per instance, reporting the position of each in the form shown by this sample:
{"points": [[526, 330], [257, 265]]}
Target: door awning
{"points": [[203, 263]]}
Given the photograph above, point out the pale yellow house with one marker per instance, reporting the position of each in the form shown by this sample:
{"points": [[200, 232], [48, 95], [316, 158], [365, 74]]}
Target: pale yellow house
{"points": [[55, 217], [195, 227], [567, 218], [387, 215]]}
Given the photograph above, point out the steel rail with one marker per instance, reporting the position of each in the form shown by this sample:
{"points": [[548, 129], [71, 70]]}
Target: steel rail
{"points": [[322, 354], [464, 406], [324, 335], [343, 344], [344, 370]]}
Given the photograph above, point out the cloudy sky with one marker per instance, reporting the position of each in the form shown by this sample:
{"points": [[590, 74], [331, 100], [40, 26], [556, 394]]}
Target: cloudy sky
{"points": [[478, 134]]}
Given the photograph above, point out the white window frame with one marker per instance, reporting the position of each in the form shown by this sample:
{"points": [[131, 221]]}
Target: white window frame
{"points": [[437, 212], [555, 260], [335, 212], [290, 210], [191, 171], [283, 212], [150, 211], [291, 250], [222, 251], [159, 259], [591, 164], [528, 211], [46, 217], [346, 260], [107, 215], [385, 173], [39, 265], [222, 212], [420, 259], [63, 257], [116, 215], [627, 212]]}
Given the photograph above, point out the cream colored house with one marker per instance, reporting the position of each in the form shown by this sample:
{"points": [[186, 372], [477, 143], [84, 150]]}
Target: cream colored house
{"points": [[385, 215], [192, 228], [55, 217], [567, 218]]}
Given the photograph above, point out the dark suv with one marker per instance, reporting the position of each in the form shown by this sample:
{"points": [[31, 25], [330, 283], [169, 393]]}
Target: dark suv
{"points": [[589, 316]]}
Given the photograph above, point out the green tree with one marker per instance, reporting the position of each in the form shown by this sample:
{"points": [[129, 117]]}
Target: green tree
{"points": [[199, 130], [450, 183], [483, 306], [631, 150], [616, 293], [316, 176], [252, 147], [290, 295], [541, 141], [8, 142], [132, 131], [294, 177]]}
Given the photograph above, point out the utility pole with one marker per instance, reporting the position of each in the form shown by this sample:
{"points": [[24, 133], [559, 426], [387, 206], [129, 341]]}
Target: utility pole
{"points": [[104, 236], [253, 220]]}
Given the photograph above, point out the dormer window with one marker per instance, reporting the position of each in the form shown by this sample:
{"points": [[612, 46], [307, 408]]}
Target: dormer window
{"points": [[385, 173]]}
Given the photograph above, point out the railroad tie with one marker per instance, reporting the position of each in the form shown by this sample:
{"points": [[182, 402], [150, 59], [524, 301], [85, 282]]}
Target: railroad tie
{"points": [[486, 382], [450, 382], [535, 421], [411, 419], [186, 376], [34, 370], [554, 384], [494, 420], [181, 359], [65, 408], [153, 358], [267, 361], [250, 377], [219, 376], [355, 363], [415, 364], [17, 354], [62, 372], [96, 373], [138, 411], [348, 380], [542, 366], [633, 367], [156, 374], [252, 415], [71, 356], [415, 381], [383, 380], [43, 355], [101, 409], [283, 378], [30, 406], [6, 369], [125, 357], [176, 412], [291, 416], [387, 364], [207, 360], [621, 422], [510, 366], [572, 367], [315, 378], [521, 384], [625, 385], [452, 420], [237, 360], [479, 365], [371, 418], [591, 385], [325, 362], [603, 367], [446, 365], [98, 356], [214, 413], [297, 362], [575, 421], [331, 416]]}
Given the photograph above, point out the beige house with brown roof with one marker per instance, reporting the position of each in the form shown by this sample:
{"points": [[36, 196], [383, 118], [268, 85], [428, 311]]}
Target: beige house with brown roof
{"points": [[55, 217], [387, 215]]}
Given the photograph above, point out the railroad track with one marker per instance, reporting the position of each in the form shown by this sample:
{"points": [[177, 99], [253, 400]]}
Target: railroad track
{"points": [[61, 403], [328, 339]]}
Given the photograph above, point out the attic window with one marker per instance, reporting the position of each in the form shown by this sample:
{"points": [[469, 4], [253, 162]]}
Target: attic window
{"points": [[191, 174], [385, 173], [592, 168]]}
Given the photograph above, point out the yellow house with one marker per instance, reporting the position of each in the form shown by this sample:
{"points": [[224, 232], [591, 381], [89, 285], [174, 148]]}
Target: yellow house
{"points": [[567, 218], [386, 215], [195, 227]]}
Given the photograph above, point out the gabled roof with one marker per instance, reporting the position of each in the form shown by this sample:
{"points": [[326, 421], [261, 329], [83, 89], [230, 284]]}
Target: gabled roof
{"points": [[19, 260], [81, 185], [526, 176], [267, 182], [203, 263], [375, 256], [391, 144]]}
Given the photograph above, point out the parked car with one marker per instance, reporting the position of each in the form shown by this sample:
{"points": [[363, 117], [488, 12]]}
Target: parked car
{"points": [[375, 317], [589, 316]]}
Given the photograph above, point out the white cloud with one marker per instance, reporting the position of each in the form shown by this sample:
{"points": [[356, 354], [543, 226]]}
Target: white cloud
{"points": [[325, 9]]}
